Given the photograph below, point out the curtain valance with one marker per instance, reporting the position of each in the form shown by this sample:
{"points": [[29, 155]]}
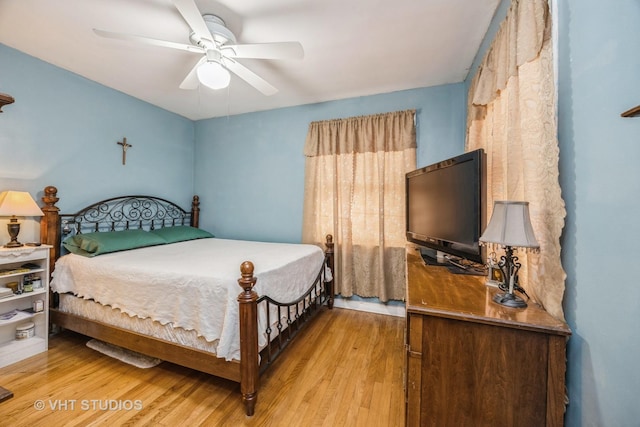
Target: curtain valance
{"points": [[364, 134], [518, 41]]}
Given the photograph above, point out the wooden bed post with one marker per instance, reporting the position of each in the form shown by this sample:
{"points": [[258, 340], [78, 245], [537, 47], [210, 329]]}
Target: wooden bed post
{"points": [[50, 224], [330, 257], [195, 212], [249, 365]]}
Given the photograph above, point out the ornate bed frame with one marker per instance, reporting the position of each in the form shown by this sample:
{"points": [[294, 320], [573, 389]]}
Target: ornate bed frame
{"points": [[134, 212]]}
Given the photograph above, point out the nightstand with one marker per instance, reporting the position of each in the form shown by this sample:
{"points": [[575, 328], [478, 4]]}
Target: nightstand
{"points": [[28, 266]]}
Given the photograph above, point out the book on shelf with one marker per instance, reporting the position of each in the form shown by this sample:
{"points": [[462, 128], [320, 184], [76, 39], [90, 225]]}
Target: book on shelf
{"points": [[7, 271], [14, 315]]}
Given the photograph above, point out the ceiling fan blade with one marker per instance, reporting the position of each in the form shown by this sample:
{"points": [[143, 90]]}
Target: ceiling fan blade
{"points": [[193, 17], [191, 81], [249, 76], [278, 50], [147, 40]]}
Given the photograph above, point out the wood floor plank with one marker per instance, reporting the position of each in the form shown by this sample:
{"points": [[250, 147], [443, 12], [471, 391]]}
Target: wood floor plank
{"points": [[352, 377]]}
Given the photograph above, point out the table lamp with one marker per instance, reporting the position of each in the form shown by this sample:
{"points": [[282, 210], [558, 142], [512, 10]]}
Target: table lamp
{"points": [[510, 227], [14, 204]]}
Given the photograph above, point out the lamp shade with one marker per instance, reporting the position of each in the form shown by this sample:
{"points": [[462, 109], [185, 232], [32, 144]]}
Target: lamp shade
{"points": [[212, 74], [18, 203], [510, 225]]}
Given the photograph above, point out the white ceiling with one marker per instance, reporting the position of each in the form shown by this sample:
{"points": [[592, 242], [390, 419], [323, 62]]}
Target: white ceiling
{"points": [[352, 47]]}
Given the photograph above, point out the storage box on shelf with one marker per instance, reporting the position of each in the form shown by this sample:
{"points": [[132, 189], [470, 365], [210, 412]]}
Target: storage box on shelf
{"points": [[24, 313]]}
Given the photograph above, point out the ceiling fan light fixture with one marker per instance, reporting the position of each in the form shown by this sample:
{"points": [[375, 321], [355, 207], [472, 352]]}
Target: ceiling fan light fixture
{"points": [[213, 75]]}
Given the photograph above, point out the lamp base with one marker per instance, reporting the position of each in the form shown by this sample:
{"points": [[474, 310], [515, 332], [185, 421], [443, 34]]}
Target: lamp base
{"points": [[15, 244], [509, 300], [13, 227]]}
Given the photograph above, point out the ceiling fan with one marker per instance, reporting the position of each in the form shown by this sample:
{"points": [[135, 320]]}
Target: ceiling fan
{"points": [[217, 44]]}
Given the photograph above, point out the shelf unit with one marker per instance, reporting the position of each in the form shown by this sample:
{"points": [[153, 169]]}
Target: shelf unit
{"points": [[5, 100], [634, 112], [17, 309]]}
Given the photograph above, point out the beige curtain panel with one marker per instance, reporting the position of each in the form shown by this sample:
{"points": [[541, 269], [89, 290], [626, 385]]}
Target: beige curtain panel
{"points": [[355, 190], [512, 115]]}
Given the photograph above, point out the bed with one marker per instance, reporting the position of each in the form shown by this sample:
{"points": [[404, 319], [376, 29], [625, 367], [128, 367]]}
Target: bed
{"points": [[137, 272]]}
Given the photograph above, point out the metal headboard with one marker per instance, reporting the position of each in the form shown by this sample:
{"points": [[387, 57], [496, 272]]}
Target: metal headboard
{"points": [[126, 213]]}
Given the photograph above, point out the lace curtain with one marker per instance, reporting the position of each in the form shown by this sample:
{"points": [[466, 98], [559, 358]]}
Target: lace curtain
{"points": [[355, 190], [512, 115]]}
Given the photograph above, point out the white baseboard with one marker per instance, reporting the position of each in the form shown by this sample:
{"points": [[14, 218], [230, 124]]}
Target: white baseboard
{"points": [[371, 307]]}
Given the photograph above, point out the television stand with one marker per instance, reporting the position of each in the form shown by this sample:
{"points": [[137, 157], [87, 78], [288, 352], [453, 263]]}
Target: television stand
{"points": [[467, 357]]}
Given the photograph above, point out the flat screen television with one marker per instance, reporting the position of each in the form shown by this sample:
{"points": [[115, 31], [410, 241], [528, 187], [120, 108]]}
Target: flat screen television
{"points": [[446, 206]]}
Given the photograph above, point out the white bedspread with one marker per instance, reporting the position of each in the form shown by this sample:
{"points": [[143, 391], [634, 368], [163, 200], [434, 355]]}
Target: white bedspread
{"points": [[192, 285]]}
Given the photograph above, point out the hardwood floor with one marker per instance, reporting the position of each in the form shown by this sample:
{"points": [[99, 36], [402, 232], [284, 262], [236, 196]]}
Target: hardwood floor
{"points": [[352, 378]]}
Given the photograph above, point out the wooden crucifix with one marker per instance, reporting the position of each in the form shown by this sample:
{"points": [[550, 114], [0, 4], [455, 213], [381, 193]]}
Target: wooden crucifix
{"points": [[125, 146]]}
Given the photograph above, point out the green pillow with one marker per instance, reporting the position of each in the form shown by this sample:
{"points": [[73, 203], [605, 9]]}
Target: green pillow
{"points": [[181, 233], [93, 244]]}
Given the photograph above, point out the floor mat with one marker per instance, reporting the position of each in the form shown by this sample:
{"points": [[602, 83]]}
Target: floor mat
{"points": [[127, 356]]}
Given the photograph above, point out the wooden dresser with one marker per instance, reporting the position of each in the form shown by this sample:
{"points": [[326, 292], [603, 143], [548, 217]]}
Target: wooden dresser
{"points": [[472, 362]]}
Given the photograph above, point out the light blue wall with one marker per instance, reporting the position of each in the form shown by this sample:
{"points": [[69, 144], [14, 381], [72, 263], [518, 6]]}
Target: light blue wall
{"points": [[599, 78], [62, 131], [250, 167]]}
